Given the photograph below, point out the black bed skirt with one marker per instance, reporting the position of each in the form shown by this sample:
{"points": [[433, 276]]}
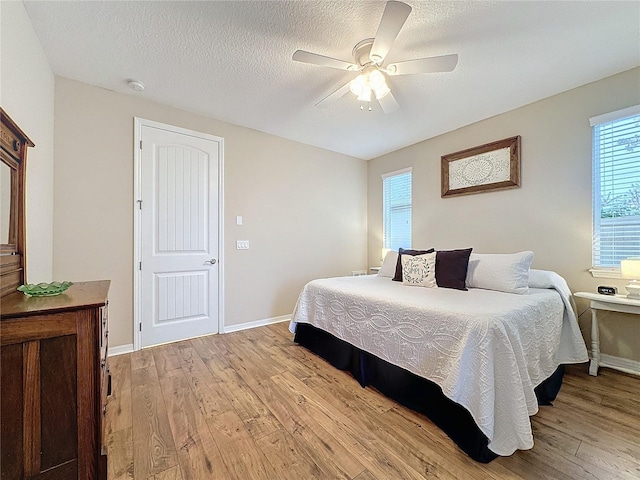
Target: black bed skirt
{"points": [[411, 390]]}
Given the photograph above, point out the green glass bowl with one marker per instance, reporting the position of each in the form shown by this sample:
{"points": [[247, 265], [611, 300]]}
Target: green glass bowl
{"points": [[44, 289]]}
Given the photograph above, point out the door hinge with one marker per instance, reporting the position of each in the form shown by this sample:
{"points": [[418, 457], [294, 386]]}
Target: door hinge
{"points": [[140, 265], [139, 202], [140, 144], [140, 327]]}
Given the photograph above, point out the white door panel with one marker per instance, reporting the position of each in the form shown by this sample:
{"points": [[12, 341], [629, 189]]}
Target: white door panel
{"points": [[179, 236]]}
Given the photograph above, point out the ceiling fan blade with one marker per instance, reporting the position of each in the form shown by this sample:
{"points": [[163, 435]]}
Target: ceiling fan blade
{"points": [[332, 97], [393, 18], [444, 63], [388, 103], [321, 60]]}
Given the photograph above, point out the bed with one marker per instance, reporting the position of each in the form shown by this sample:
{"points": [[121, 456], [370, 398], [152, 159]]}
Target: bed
{"points": [[477, 362]]}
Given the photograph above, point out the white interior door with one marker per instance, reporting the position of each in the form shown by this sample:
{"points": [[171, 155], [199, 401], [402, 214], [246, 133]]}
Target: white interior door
{"points": [[179, 251]]}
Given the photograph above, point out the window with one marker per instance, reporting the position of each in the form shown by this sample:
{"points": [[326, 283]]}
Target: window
{"points": [[396, 200], [616, 187]]}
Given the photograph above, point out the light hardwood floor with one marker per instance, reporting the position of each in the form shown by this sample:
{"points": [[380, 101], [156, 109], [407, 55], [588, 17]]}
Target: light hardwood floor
{"points": [[254, 405]]}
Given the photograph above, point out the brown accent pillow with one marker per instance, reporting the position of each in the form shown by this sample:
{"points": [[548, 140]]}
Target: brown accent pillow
{"points": [[401, 251], [451, 268]]}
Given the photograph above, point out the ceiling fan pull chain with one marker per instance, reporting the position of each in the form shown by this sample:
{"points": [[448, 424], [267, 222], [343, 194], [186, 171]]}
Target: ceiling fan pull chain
{"points": [[362, 106]]}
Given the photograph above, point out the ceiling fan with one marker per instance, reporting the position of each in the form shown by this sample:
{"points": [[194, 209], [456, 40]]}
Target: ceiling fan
{"points": [[369, 55]]}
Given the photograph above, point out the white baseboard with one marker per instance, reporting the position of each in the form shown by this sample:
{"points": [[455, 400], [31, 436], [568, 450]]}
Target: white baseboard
{"points": [[623, 364], [120, 349], [256, 323]]}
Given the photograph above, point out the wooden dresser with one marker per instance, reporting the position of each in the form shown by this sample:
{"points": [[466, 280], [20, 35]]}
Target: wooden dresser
{"points": [[54, 382]]}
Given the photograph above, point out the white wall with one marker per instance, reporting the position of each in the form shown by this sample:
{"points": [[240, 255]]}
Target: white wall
{"points": [[27, 95], [549, 214], [304, 208]]}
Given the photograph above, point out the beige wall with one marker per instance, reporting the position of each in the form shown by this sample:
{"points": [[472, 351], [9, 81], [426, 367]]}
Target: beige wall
{"points": [[550, 214], [304, 208], [26, 94]]}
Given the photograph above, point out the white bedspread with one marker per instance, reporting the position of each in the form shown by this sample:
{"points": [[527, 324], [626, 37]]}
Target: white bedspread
{"points": [[487, 350]]}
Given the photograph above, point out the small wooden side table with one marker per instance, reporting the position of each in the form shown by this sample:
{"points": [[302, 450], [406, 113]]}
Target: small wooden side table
{"points": [[608, 303]]}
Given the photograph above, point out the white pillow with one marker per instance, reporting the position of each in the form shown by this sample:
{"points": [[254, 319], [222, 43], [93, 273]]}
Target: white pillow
{"points": [[419, 270], [388, 268], [502, 272]]}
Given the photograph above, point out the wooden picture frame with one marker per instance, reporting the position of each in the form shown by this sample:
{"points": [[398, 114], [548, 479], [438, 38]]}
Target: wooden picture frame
{"points": [[492, 166]]}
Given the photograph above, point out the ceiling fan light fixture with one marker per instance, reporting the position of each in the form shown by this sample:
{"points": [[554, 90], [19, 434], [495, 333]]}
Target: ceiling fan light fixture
{"points": [[365, 96], [377, 80], [359, 84], [382, 92]]}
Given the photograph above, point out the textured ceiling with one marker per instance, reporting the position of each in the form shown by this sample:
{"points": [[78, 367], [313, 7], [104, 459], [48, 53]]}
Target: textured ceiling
{"points": [[232, 60]]}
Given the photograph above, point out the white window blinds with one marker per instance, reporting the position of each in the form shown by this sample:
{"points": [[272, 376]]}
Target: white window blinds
{"points": [[616, 186], [396, 195]]}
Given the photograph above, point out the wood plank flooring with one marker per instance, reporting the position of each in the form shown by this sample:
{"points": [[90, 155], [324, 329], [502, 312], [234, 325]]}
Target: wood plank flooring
{"points": [[254, 405]]}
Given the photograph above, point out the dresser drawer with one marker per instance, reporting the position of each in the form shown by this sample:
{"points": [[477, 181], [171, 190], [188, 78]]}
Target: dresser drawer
{"points": [[105, 373], [105, 387], [104, 323]]}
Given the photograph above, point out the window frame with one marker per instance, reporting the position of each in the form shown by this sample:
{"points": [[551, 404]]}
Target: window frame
{"points": [[385, 176], [600, 271]]}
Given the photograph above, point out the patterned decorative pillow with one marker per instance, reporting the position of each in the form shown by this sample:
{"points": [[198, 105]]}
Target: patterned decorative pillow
{"points": [[398, 276], [419, 270]]}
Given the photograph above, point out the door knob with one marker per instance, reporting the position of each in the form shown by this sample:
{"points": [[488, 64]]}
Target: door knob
{"points": [[212, 261]]}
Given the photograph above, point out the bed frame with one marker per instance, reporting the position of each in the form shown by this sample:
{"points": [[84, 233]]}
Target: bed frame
{"points": [[411, 390]]}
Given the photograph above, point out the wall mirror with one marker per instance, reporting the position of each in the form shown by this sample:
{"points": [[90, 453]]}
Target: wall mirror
{"points": [[13, 157], [5, 203]]}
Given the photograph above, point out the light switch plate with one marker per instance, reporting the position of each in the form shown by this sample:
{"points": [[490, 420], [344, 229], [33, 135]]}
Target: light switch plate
{"points": [[242, 245], [239, 220]]}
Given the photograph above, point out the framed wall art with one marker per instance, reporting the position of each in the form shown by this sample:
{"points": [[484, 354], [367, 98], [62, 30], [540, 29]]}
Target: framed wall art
{"points": [[493, 166]]}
